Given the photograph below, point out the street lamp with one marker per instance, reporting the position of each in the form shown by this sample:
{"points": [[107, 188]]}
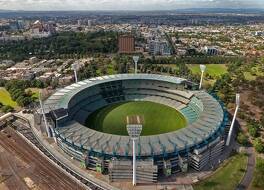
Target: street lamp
{"points": [[134, 133], [233, 121], [75, 67], [202, 68], [135, 59]]}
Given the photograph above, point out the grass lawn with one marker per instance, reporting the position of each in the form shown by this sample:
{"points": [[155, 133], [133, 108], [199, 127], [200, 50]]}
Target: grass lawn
{"points": [[226, 177], [6, 99], [212, 69], [257, 182], [158, 118]]}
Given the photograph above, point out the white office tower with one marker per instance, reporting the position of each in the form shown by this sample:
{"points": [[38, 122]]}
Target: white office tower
{"points": [[89, 23], [79, 22]]}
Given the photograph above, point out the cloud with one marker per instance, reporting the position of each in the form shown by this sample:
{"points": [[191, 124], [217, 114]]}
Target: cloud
{"points": [[126, 4]]}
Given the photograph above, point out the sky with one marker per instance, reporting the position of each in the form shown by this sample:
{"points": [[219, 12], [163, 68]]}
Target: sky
{"points": [[126, 4]]}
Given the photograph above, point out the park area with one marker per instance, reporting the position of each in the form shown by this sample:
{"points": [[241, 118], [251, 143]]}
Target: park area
{"points": [[214, 70], [5, 98], [258, 177], [227, 176]]}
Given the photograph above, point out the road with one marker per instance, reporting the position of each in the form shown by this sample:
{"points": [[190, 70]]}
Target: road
{"points": [[244, 184], [22, 167]]}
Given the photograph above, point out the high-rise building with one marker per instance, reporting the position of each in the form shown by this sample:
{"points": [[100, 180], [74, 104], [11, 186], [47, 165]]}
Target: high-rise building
{"points": [[21, 24], [89, 23], [157, 47], [154, 48], [126, 44], [37, 27], [13, 25], [51, 27], [79, 22]]}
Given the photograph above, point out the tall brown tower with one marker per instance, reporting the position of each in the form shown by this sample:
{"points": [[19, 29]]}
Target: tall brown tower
{"points": [[126, 44]]}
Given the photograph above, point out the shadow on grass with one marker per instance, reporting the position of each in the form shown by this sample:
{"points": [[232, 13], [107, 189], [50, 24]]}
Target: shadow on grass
{"points": [[95, 121], [243, 170], [210, 184]]}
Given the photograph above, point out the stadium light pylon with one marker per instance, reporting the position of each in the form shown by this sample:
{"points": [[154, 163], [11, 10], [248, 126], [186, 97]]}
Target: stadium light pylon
{"points": [[75, 67], [134, 133], [202, 68], [43, 114], [135, 59], [233, 121]]}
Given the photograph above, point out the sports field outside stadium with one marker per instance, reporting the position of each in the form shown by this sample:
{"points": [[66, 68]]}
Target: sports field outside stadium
{"points": [[157, 118]]}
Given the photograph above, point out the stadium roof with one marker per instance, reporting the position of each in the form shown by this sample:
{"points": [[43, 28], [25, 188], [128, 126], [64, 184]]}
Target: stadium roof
{"points": [[206, 126], [62, 97]]}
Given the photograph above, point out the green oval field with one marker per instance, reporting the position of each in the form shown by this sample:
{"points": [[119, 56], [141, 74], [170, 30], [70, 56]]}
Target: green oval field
{"points": [[157, 118]]}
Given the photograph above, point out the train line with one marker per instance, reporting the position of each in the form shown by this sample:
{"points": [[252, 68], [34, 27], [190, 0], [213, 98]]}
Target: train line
{"points": [[23, 128], [41, 172]]}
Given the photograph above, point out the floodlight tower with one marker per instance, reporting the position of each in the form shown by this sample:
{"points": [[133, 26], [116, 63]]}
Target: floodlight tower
{"points": [[75, 67], [135, 59], [233, 121], [43, 114], [202, 68], [134, 133]]}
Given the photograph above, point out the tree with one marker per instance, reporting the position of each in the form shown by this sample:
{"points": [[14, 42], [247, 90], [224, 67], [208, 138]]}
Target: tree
{"points": [[253, 128], [29, 92], [104, 70], [242, 139], [24, 100], [37, 84], [70, 44], [253, 131], [7, 109], [17, 91], [2, 82], [259, 145]]}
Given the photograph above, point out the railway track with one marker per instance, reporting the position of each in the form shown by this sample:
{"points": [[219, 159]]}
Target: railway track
{"points": [[24, 129], [43, 173]]}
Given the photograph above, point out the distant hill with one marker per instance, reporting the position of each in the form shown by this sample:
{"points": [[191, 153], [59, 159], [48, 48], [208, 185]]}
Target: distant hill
{"points": [[223, 10], [190, 10]]}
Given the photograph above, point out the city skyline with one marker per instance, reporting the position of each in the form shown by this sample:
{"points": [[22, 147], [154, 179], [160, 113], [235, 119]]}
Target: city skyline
{"points": [[42, 5]]}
